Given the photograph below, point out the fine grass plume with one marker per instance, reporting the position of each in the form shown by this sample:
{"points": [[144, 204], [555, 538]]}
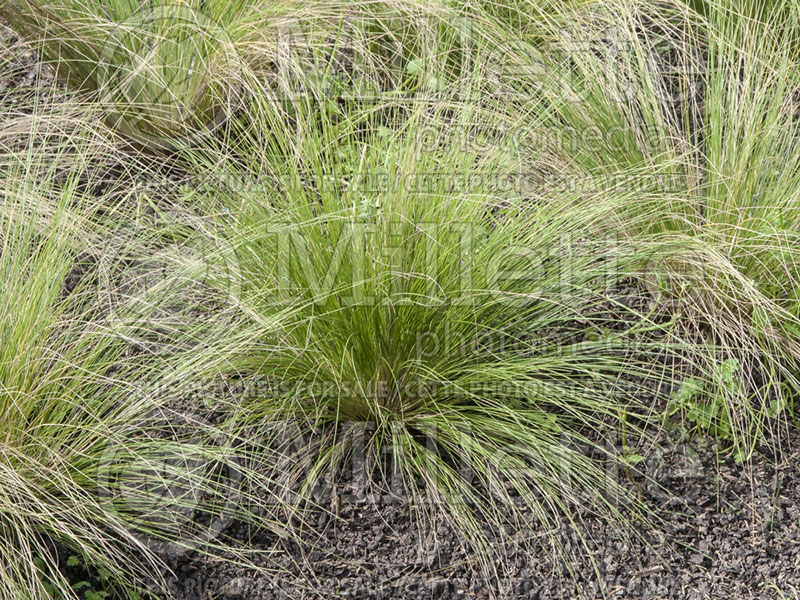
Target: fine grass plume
{"points": [[747, 200]]}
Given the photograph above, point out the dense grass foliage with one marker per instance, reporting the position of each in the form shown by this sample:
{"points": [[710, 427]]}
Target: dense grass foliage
{"points": [[170, 73], [162, 69], [60, 402], [472, 248], [403, 298], [99, 467], [697, 112]]}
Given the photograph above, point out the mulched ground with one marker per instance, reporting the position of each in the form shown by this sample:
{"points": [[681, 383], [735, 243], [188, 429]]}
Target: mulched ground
{"points": [[22, 75], [729, 531]]}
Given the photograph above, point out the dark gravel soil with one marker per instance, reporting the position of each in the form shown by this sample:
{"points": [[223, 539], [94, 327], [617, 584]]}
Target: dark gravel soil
{"points": [[728, 532], [22, 75]]}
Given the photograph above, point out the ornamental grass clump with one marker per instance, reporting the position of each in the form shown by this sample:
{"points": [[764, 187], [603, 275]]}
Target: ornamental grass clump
{"points": [[402, 298], [697, 110], [98, 466], [164, 71], [61, 400], [170, 73]]}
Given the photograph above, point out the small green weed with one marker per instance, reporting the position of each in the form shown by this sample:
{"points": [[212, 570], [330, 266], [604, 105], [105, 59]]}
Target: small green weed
{"points": [[704, 403], [701, 407]]}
